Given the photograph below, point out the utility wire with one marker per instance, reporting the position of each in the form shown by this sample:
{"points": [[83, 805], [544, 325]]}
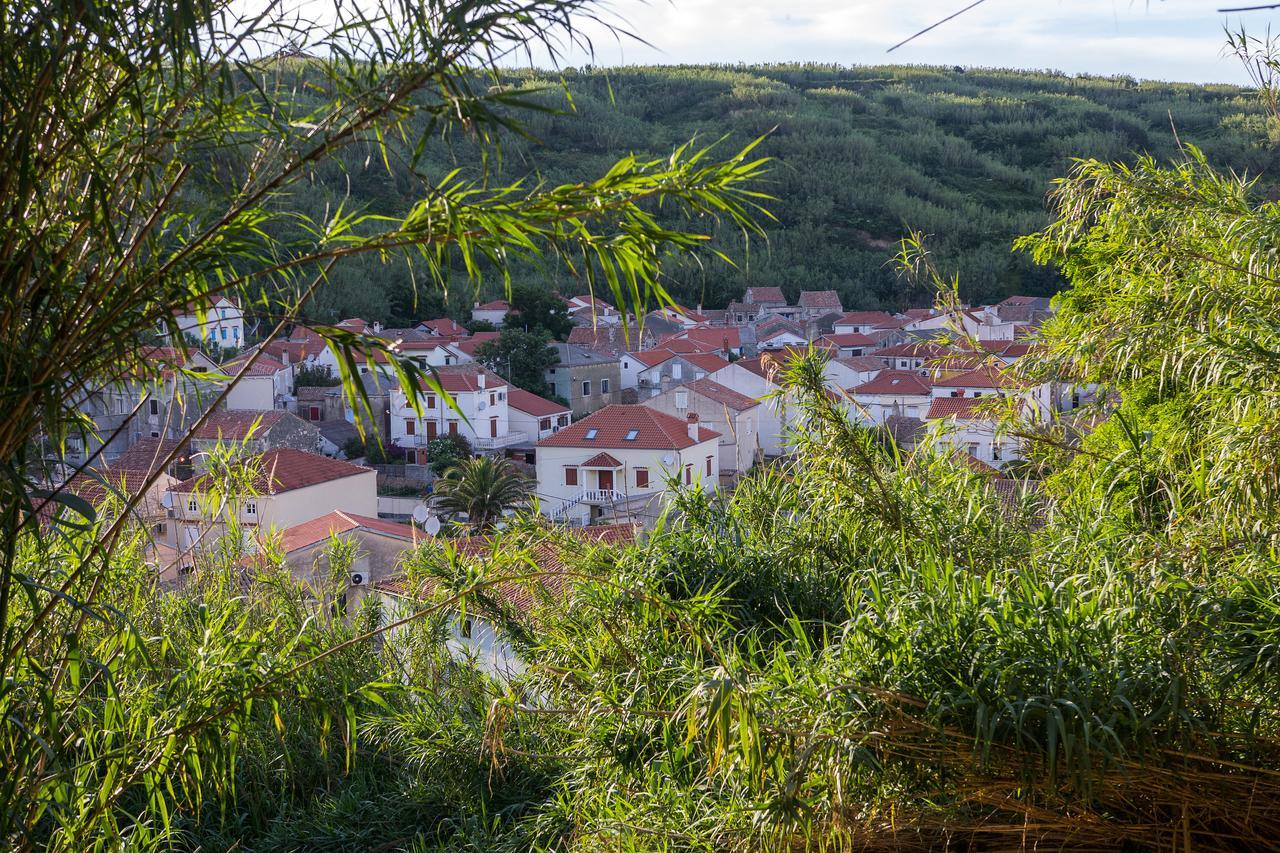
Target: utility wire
{"points": [[935, 25]]}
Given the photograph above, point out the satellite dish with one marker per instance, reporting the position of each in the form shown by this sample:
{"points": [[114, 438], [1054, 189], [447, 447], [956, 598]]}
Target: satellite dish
{"points": [[433, 525], [166, 500], [420, 514], [669, 459]]}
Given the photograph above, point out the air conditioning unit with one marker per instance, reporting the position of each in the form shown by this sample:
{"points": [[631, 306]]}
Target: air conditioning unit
{"points": [[358, 579]]}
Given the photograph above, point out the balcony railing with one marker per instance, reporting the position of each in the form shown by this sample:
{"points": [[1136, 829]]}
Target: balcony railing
{"points": [[592, 497]]}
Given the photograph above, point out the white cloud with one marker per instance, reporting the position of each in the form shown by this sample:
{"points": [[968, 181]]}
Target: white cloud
{"points": [[1175, 39]]}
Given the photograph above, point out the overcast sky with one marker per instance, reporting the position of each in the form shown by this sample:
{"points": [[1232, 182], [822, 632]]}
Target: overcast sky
{"points": [[1161, 39]]}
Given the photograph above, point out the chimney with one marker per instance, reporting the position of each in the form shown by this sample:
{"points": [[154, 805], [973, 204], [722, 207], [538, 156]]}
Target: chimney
{"points": [[692, 418], [480, 379]]}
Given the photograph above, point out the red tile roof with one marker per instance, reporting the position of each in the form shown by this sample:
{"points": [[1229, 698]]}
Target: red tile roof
{"points": [[318, 530], [861, 363], [443, 326], [265, 365], [654, 430], [864, 318], [718, 393], [284, 470], [820, 299], [980, 467], [710, 362], [530, 403], [894, 382], [495, 305], [986, 376], [727, 337], [653, 357], [966, 408], [602, 460], [679, 344], [764, 295], [237, 425], [461, 378]]}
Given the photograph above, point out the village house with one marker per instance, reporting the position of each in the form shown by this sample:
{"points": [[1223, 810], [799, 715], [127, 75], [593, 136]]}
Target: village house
{"points": [[289, 487], [971, 425], [844, 372], [481, 415], [892, 393], [380, 545], [914, 356], [535, 417], [494, 312], [257, 432], [818, 303], [263, 384], [656, 370], [735, 416], [724, 341], [587, 378], [615, 340], [138, 407], [619, 463], [760, 379], [849, 344], [442, 327], [317, 403], [219, 323], [779, 336]]}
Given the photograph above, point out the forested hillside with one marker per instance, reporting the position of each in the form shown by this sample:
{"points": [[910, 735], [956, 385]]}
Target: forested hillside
{"points": [[967, 156]]}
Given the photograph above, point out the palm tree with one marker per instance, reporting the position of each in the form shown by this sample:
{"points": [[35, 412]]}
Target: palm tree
{"points": [[483, 488]]}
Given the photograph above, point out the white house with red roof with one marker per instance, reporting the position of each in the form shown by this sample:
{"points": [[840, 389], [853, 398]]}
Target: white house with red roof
{"points": [[972, 425], [892, 393], [535, 417], [620, 461], [481, 414], [380, 545], [217, 322], [735, 416], [989, 380], [843, 372], [658, 369], [685, 318], [261, 383], [849, 344], [721, 340], [443, 327], [494, 312], [913, 356], [289, 487], [779, 338]]}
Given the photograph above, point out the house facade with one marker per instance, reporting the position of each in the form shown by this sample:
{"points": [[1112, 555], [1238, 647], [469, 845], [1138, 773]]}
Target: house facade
{"points": [[481, 415], [219, 323], [587, 378], [264, 384], [618, 463], [536, 417]]}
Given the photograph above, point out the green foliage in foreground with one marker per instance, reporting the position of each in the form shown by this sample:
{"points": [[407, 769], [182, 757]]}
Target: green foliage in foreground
{"points": [[864, 154], [858, 650]]}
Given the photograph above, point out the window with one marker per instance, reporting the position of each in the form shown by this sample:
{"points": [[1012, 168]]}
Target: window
{"points": [[642, 478], [699, 374], [544, 424], [155, 407], [410, 426], [676, 370], [591, 434], [688, 475], [453, 427], [972, 449], [155, 433], [682, 399], [586, 388], [250, 507], [708, 466], [997, 451], [493, 398], [235, 333], [192, 504], [631, 434], [160, 529], [314, 413], [464, 630], [431, 401], [902, 362], [570, 475], [563, 420], [224, 333], [604, 386]]}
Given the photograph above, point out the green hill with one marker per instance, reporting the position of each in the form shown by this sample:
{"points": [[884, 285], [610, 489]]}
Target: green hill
{"points": [[967, 156]]}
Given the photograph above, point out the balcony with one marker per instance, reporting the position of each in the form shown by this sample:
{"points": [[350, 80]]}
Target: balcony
{"points": [[590, 497]]}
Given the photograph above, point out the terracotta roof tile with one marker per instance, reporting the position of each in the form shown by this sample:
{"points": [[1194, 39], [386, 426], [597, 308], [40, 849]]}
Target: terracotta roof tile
{"points": [[966, 408], [919, 349], [654, 430], [496, 305], [265, 365], [864, 318], [849, 339], [239, 425], [764, 295], [443, 326], [602, 460], [319, 529], [284, 469], [820, 299], [986, 376], [721, 394], [530, 403], [894, 382], [461, 378]]}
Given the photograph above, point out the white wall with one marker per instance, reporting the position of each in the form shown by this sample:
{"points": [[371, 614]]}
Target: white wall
{"points": [[531, 427], [739, 431], [223, 325], [552, 461], [481, 408]]}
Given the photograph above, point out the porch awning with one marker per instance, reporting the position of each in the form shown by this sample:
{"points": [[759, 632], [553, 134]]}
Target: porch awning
{"points": [[602, 460]]}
